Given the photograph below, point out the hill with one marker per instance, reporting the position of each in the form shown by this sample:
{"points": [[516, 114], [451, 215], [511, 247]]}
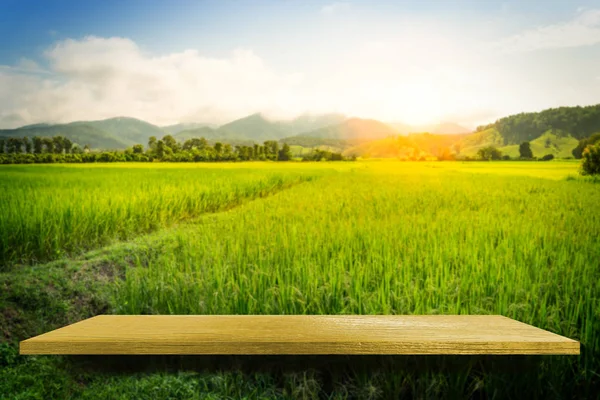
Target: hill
{"points": [[390, 147], [254, 127], [470, 144], [445, 128], [548, 143], [307, 141], [112, 133], [258, 128], [129, 130], [311, 122], [212, 136], [413, 146], [80, 133], [356, 129], [175, 129], [439, 128], [578, 122]]}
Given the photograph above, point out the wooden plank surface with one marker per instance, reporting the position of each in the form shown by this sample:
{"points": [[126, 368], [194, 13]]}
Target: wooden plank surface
{"points": [[299, 334]]}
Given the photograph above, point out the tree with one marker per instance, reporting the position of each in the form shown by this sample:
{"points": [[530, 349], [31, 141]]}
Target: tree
{"points": [[2, 146], [160, 149], [67, 145], [578, 151], [547, 157], [218, 148], [590, 164], [171, 143], [27, 144], [138, 149], [38, 145], [152, 143], [48, 144], [198, 143], [489, 153], [285, 154], [76, 150], [58, 144], [525, 150], [13, 145], [271, 149]]}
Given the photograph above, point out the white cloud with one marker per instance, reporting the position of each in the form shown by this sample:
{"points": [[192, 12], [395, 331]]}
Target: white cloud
{"points": [[335, 7], [583, 30], [105, 77]]}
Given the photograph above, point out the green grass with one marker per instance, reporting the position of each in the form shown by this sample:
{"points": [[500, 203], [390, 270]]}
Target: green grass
{"points": [[548, 143], [519, 239], [46, 212]]}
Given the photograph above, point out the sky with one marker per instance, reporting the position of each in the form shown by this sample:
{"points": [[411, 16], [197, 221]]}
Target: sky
{"points": [[416, 62]]}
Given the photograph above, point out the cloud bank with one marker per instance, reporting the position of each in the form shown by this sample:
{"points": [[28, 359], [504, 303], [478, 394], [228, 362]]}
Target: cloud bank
{"points": [[105, 77], [583, 30], [420, 72]]}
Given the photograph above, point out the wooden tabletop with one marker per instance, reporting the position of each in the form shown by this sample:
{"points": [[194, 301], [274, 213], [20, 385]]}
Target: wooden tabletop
{"points": [[299, 334]]}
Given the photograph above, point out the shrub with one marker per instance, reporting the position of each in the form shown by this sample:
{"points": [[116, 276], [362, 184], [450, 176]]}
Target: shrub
{"points": [[590, 164], [547, 157]]}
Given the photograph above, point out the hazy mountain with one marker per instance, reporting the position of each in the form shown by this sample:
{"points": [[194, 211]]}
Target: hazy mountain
{"points": [[412, 146], [353, 129], [253, 127], [311, 122], [175, 129], [446, 128], [212, 135], [390, 147], [79, 133], [258, 128], [439, 128], [129, 130], [401, 127]]}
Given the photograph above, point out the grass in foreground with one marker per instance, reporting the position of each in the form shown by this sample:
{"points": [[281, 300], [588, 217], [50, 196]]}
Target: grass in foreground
{"points": [[390, 238]]}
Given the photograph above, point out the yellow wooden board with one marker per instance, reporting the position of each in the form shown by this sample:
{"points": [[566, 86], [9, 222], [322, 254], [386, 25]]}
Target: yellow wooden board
{"points": [[299, 334]]}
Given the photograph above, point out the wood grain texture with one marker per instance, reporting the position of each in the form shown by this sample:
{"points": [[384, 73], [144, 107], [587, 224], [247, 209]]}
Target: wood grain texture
{"points": [[299, 334]]}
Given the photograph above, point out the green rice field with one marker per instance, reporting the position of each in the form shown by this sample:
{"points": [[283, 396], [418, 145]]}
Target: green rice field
{"points": [[520, 239]]}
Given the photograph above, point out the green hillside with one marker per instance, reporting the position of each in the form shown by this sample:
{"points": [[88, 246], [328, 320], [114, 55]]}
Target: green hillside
{"points": [[258, 128], [308, 122], [254, 127], [78, 133], [469, 145], [112, 133], [129, 130], [354, 129], [307, 141], [391, 147], [548, 143], [175, 129], [578, 122]]}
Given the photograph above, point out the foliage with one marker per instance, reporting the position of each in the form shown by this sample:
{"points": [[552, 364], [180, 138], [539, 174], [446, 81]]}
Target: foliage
{"points": [[580, 122], [547, 157], [583, 143], [61, 150], [525, 150], [489, 153], [590, 164]]}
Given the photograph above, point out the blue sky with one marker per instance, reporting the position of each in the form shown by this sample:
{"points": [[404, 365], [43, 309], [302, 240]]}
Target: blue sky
{"points": [[213, 61]]}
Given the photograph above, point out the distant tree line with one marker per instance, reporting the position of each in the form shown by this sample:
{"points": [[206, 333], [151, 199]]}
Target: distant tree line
{"points": [[59, 149], [492, 153], [580, 122]]}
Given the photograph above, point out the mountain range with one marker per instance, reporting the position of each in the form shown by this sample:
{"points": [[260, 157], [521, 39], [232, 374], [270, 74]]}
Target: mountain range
{"points": [[553, 131]]}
